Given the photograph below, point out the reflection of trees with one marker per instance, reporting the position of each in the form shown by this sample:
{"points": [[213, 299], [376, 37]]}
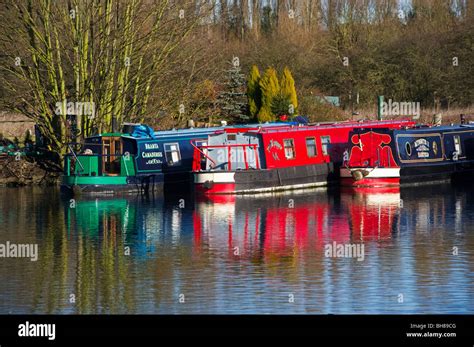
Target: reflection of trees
{"points": [[81, 254], [102, 281], [50, 279]]}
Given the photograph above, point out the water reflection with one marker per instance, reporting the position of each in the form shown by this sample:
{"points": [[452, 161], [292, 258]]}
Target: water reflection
{"points": [[241, 254], [373, 213]]}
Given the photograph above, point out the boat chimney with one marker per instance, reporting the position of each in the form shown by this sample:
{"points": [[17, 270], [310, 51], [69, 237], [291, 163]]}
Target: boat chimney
{"points": [[190, 123], [437, 119]]}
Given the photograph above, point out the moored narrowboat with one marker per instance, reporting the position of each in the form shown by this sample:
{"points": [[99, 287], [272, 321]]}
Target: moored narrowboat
{"points": [[114, 163], [390, 157], [265, 160], [137, 160]]}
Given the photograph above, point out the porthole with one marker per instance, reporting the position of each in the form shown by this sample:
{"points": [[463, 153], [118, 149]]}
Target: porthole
{"points": [[435, 147], [408, 148]]}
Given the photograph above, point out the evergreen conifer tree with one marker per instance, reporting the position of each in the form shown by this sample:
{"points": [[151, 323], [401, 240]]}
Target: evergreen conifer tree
{"points": [[254, 93], [270, 89], [233, 99], [288, 90]]}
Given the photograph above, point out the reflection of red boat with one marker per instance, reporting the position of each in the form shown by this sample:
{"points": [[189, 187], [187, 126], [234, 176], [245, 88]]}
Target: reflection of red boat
{"points": [[248, 226], [373, 212], [262, 226], [271, 159], [367, 190]]}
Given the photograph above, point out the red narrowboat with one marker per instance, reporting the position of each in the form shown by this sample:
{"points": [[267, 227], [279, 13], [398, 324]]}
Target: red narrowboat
{"points": [[272, 159]]}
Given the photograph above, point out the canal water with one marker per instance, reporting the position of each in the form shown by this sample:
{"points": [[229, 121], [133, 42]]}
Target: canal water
{"points": [[412, 252]]}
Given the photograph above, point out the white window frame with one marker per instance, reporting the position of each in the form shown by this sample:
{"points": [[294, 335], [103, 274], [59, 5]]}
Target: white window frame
{"points": [[315, 147], [457, 144], [324, 145], [167, 150], [293, 151]]}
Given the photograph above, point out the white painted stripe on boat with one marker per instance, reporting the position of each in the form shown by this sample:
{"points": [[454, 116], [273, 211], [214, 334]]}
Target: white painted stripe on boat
{"points": [[216, 177], [379, 172]]}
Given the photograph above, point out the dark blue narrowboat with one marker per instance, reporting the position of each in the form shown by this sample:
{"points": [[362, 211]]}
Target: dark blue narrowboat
{"points": [[387, 157]]}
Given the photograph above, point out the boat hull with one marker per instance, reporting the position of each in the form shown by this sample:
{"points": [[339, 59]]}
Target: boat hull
{"points": [[386, 177], [370, 177], [264, 180], [110, 185]]}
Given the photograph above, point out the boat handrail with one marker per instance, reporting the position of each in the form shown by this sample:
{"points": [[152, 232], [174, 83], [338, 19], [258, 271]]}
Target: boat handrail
{"points": [[231, 145], [200, 151], [75, 156], [99, 155], [85, 143], [254, 146]]}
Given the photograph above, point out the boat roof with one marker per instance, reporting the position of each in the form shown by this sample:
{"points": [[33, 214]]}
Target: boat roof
{"points": [[183, 132], [342, 125], [115, 134], [428, 128], [441, 128], [188, 131]]}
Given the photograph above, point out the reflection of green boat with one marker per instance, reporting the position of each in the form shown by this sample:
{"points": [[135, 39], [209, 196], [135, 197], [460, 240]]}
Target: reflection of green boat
{"points": [[94, 216], [135, 221]]}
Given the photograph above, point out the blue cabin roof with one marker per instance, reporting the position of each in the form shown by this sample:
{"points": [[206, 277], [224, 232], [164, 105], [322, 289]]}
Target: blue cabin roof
{"points": [[185, 132], [442, 128], [192, 132]]}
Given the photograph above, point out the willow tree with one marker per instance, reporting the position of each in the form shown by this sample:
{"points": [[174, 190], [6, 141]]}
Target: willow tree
{"points": [[106, 56]]}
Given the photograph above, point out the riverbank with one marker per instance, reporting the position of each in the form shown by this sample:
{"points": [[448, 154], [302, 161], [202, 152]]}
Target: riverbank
{"points": [[27, 171]]}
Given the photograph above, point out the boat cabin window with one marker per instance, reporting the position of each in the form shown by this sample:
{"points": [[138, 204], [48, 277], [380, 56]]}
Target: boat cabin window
{"points": [[325, 141], [172, 154], [112, 151], [408, 148], [200, 144], [231, 137], [311, 147], [203, 153], [289, 148], [457, 145]]}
